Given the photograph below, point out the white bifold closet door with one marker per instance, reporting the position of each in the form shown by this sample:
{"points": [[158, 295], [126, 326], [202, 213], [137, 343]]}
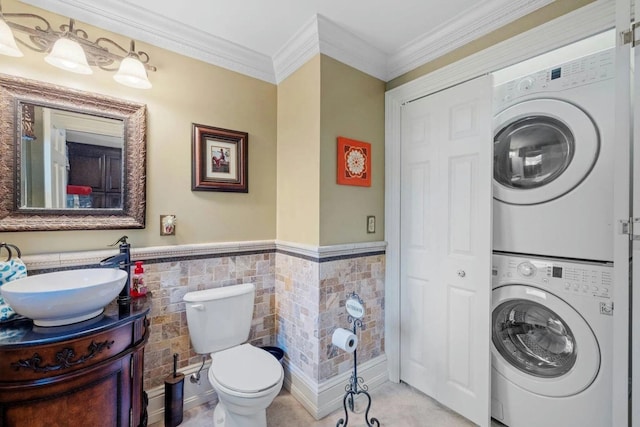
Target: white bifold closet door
{"points": [[445, 250]]}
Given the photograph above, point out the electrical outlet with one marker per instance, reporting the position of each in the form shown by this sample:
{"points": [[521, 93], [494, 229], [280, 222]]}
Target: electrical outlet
{"points": [[167, 225]]}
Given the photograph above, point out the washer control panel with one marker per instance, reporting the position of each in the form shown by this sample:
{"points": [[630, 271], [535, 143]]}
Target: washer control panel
{"points": [[579, 72], [573, 277], [527, 269]]}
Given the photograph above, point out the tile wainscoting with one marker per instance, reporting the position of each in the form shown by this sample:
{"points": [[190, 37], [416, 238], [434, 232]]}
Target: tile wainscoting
{"points": [[170, 281], [311, 291], [310, 305], [300, 296]]}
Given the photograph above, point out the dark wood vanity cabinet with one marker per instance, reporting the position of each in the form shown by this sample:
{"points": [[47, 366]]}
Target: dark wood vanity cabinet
{"points": [[91, 378], [99, 168]]}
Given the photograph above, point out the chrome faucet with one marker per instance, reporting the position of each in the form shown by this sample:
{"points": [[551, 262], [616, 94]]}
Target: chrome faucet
{"points": [[123, 261]]}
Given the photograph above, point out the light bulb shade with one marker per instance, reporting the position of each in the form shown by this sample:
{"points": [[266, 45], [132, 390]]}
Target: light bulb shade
{"points": [[8, 44], [68, 55], [132, 73]]}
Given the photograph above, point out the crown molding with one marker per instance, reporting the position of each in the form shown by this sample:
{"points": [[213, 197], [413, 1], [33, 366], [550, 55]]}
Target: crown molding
{"points": [[349, 49], [140, 24], [297, 51], [318, 35], [463, 29], [589, 20], [321, 35]]}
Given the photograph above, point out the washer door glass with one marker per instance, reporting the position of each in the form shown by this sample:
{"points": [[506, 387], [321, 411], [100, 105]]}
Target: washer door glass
{"points": [[533, 338], [543, 149], [541, 343], [531, 152]]}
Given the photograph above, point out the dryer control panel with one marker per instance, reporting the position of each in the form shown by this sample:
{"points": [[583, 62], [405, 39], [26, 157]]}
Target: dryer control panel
{"points": [[573, 277], [579, 72]]}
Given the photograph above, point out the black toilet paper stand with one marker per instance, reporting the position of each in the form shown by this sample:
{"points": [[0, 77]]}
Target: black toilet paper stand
{"points": [[356, 385]]}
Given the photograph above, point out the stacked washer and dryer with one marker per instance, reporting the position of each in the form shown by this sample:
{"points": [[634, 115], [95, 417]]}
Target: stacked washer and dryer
{"points": [[553, 250]]}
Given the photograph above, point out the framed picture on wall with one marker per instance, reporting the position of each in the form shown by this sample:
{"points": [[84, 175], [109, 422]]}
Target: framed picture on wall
{"points": [[219, 159], [354, 162]]}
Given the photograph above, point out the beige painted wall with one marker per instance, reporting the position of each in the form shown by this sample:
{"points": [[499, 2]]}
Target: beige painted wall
{"points": [[540, 16], [299, 155], [352, 105], [322, 100], [185, 91], [292, 131]]}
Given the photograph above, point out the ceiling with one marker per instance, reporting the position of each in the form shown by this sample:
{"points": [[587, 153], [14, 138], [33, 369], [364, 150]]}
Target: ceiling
{"points": [[271, 39]]}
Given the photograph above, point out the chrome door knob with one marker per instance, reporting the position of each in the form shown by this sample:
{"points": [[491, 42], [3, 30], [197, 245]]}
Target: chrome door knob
{"points": [[461, 273]]}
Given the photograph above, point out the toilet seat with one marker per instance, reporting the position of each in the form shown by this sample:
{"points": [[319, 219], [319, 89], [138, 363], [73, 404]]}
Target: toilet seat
{"points": [[246, 369]]}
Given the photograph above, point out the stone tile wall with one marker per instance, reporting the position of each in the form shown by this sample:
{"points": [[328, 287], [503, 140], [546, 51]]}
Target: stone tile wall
{"points": [[297, 305], [299, 302], [169, 281], [310, 299], [364, 276]]}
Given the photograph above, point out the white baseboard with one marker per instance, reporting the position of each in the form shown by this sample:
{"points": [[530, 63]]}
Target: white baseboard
{"points": [[322, 399], [194, 394], [318, 399]]}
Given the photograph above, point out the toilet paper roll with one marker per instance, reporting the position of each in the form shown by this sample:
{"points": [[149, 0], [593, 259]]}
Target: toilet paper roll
{"points": [[345, 340]]}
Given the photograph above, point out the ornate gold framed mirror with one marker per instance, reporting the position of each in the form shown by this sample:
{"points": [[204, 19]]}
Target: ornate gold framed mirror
{"points": [[71, 160]]}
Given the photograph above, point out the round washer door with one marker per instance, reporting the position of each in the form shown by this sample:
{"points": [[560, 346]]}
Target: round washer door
{"points": [[540, 343], [543, 148]]}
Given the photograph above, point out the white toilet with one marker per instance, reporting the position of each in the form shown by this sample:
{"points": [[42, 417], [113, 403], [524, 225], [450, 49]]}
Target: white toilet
{"points": [[246, 378]]}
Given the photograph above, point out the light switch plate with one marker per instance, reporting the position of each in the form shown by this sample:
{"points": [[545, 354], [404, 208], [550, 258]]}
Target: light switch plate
{"points": [[371, 224]]}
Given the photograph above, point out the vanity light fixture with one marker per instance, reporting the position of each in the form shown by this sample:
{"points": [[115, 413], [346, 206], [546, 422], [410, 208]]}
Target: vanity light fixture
{"points": [[70, 49], [7, 41], [132, 71], [68, 55]]}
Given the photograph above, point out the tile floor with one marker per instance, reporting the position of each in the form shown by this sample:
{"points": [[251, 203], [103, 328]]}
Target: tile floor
{"points": [[394, 405]]}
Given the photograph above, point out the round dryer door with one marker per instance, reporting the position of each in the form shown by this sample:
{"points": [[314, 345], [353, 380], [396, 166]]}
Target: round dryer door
{"points": [[540, 343], [543, 148]]}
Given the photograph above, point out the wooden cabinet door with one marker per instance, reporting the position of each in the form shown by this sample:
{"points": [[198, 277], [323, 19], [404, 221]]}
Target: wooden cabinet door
{"points": [[86, 167], [99, 397], [99, 168]]}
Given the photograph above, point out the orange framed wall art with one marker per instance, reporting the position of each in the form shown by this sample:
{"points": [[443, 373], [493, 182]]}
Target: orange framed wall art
{"points": [[354, 162]]}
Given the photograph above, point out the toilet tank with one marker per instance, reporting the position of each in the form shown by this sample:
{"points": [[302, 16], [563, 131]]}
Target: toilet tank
{"points": [[219, 318]]}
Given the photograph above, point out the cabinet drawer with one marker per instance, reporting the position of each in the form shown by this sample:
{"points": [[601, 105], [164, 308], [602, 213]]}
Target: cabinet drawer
{"points": [[46, 361]]}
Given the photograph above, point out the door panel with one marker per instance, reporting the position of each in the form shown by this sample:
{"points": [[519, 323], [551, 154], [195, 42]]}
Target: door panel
{"points": [[55, 163], [419, 183], [418, 238], [415, 352], [446, 163], [459, 348], [461, 171]]}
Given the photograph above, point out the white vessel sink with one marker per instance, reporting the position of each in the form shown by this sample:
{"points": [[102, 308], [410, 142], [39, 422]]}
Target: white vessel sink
{"points": [[64, 297]]}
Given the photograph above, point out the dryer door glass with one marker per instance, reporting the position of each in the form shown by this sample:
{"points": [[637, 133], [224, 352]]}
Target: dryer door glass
{"points": [[533, 338], [532, 152]]}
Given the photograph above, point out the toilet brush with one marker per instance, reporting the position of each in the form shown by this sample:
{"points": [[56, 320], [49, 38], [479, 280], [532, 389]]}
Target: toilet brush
{"points": [[173, 396]]}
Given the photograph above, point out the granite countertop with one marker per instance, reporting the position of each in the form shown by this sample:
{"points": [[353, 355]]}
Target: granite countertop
{"points": [[22, 332]]}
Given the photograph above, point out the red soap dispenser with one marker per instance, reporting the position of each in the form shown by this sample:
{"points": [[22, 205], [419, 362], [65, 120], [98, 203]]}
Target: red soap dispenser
{"points": [[138, 288]]}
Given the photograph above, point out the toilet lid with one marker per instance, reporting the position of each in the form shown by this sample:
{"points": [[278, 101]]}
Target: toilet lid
{"points": [[246, 368]]}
